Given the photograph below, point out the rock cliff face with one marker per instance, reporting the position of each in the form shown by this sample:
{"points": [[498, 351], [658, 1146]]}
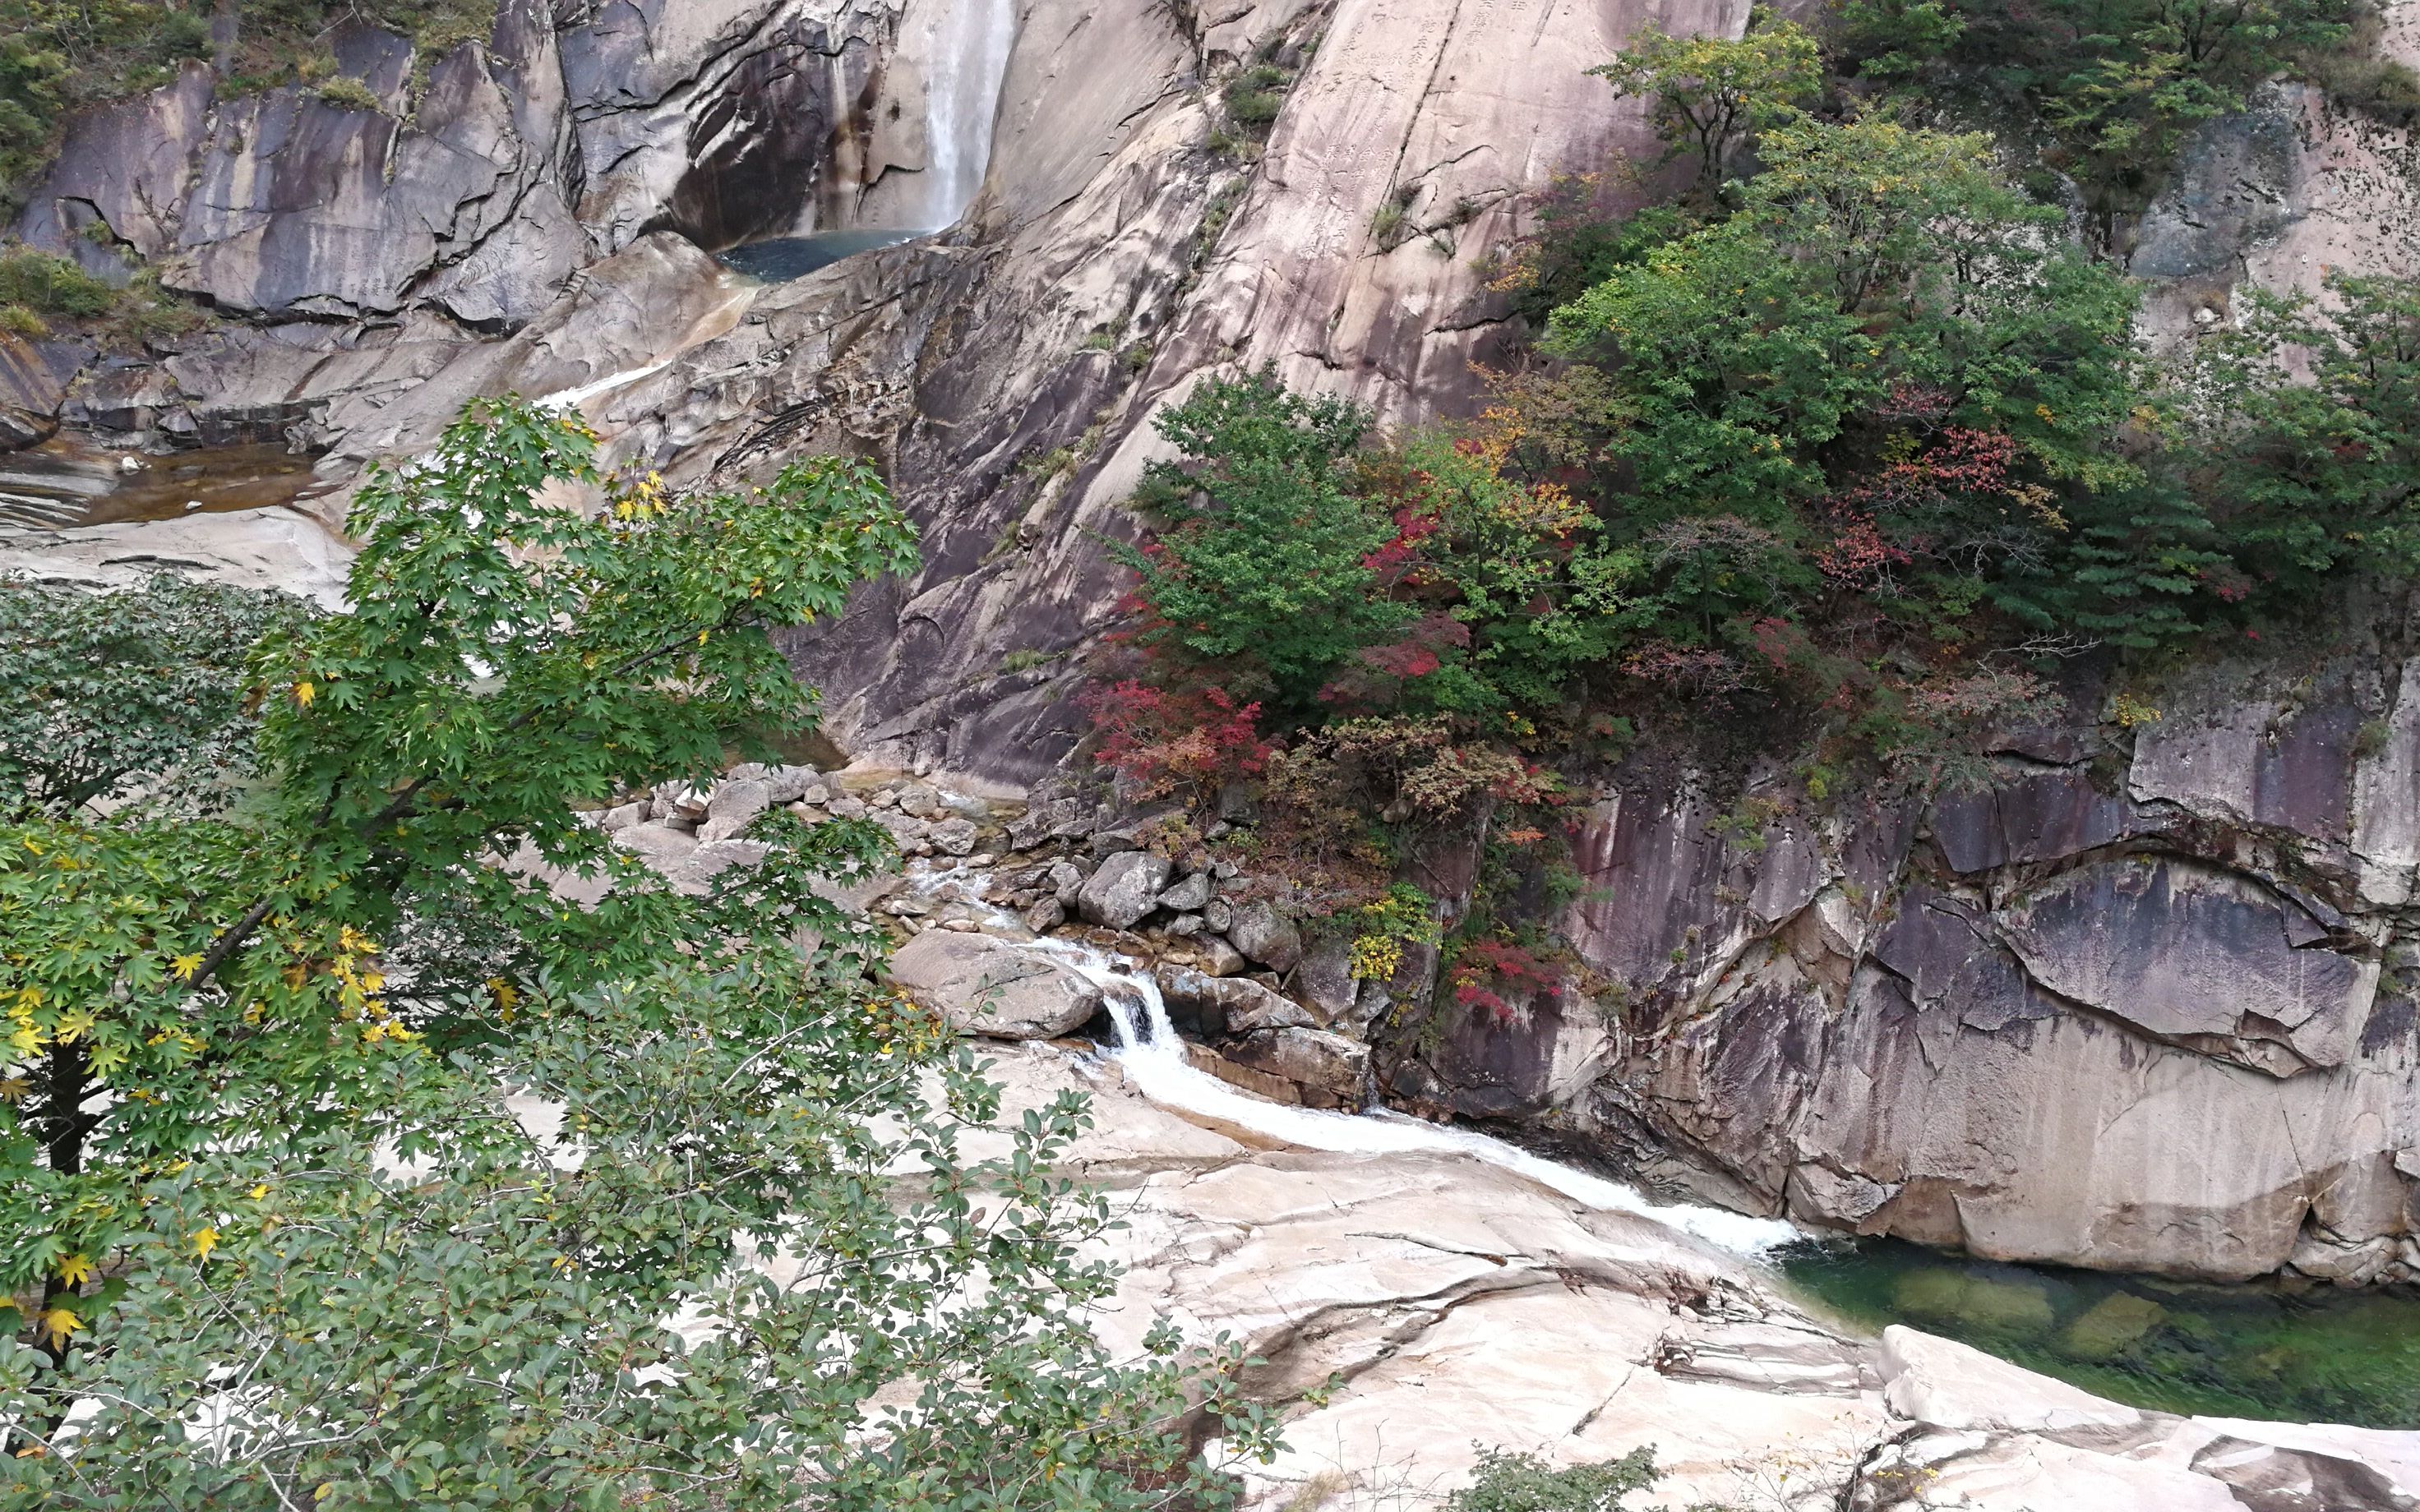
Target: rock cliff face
{"points": [[2141, 1005]]}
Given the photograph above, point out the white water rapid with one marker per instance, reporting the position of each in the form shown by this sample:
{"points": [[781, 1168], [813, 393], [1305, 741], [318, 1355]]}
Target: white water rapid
{"points": [[1154, 1059], [965, 44]]}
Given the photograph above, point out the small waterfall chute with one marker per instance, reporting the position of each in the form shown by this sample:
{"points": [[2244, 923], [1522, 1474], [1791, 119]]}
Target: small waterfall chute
{"points": [[1152, 1056]]}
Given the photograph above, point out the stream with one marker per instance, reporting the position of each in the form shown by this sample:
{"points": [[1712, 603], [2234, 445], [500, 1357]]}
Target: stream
{"points": [[72, 480], [1153, 1056], [2312, 1354], [2255, 1350]]}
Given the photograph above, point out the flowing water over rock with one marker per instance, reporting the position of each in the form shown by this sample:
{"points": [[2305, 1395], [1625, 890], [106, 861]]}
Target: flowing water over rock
{"points": [[1153, 1058], [2253, 1350], [966, 46]]}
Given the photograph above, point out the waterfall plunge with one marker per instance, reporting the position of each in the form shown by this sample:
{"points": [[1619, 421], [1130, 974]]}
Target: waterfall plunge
{"points": [[965, 44]]}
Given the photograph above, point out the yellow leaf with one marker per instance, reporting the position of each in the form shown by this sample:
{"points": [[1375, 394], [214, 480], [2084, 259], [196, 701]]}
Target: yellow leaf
{"points": [[205, 1240], [185, 965], [304, 693], [258, 1192], [326, 1487], [76, 1270], [58, 1323]]}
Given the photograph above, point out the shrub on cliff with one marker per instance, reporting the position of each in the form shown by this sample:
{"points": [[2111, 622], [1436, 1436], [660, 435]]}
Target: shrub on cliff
{"points": [[1510, 1481], [277, 1236], [2104, 91], [1261, 560]]}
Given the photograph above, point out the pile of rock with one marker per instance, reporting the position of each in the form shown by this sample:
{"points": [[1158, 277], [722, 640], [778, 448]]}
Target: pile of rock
{"points": [[690, 833], [1267, 1011]]}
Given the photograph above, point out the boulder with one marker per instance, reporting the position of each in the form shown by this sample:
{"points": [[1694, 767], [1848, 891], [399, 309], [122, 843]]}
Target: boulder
{"points": [[1066, 880], [1049, 820], [696, 872], [1127, 887], [988, 987], [1189, 896], [1266, 935], [734, 805], [657, 843], [1329, 1070], [1212, 1006], [1045, 915], [794, 784], [954, 836], [1324, 978], [1218, 958]]}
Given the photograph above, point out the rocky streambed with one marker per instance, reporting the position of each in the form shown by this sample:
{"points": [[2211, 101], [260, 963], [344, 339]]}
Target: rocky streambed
{"points": [[1417, 1291]]}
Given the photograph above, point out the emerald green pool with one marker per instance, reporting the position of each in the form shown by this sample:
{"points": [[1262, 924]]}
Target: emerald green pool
{"points": [[2315, 1354]]}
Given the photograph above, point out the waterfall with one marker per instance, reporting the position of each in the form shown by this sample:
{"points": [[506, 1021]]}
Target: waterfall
{"points": [[1155, 1062], [965, 45]]}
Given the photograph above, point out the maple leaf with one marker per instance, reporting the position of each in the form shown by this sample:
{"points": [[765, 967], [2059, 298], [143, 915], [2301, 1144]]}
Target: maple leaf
{"points": [[58, 1323], [205, 1240], [76, 1270]]}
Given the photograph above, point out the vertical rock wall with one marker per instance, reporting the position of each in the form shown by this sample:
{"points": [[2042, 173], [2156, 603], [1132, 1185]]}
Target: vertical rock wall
{"points": [[2144, 1004]]}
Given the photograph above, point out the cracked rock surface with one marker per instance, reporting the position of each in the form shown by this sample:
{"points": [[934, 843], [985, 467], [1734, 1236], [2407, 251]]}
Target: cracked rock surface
{"points": [[1456, 1302]]}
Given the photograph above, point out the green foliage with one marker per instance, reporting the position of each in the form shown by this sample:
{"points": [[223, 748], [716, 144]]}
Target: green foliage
{"points": [[349, 93], [104, 693], [1507, 1481], [1260, 564], [253, 1094], [1255, 96], [1572, 248], [485, 1334], [1875, 440], [1886, 337], [2116, 86], [1711, 93], [2318, 476], [51, 285]]}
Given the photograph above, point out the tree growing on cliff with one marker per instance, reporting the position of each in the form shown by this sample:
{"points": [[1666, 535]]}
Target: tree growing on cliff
{"points": [[277, 1236], [1261, 561], [1707, 96]]}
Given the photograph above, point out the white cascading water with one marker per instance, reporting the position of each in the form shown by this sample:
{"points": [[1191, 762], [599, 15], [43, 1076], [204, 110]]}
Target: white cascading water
{"points": [[965, 44], [1154, 1059]]}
